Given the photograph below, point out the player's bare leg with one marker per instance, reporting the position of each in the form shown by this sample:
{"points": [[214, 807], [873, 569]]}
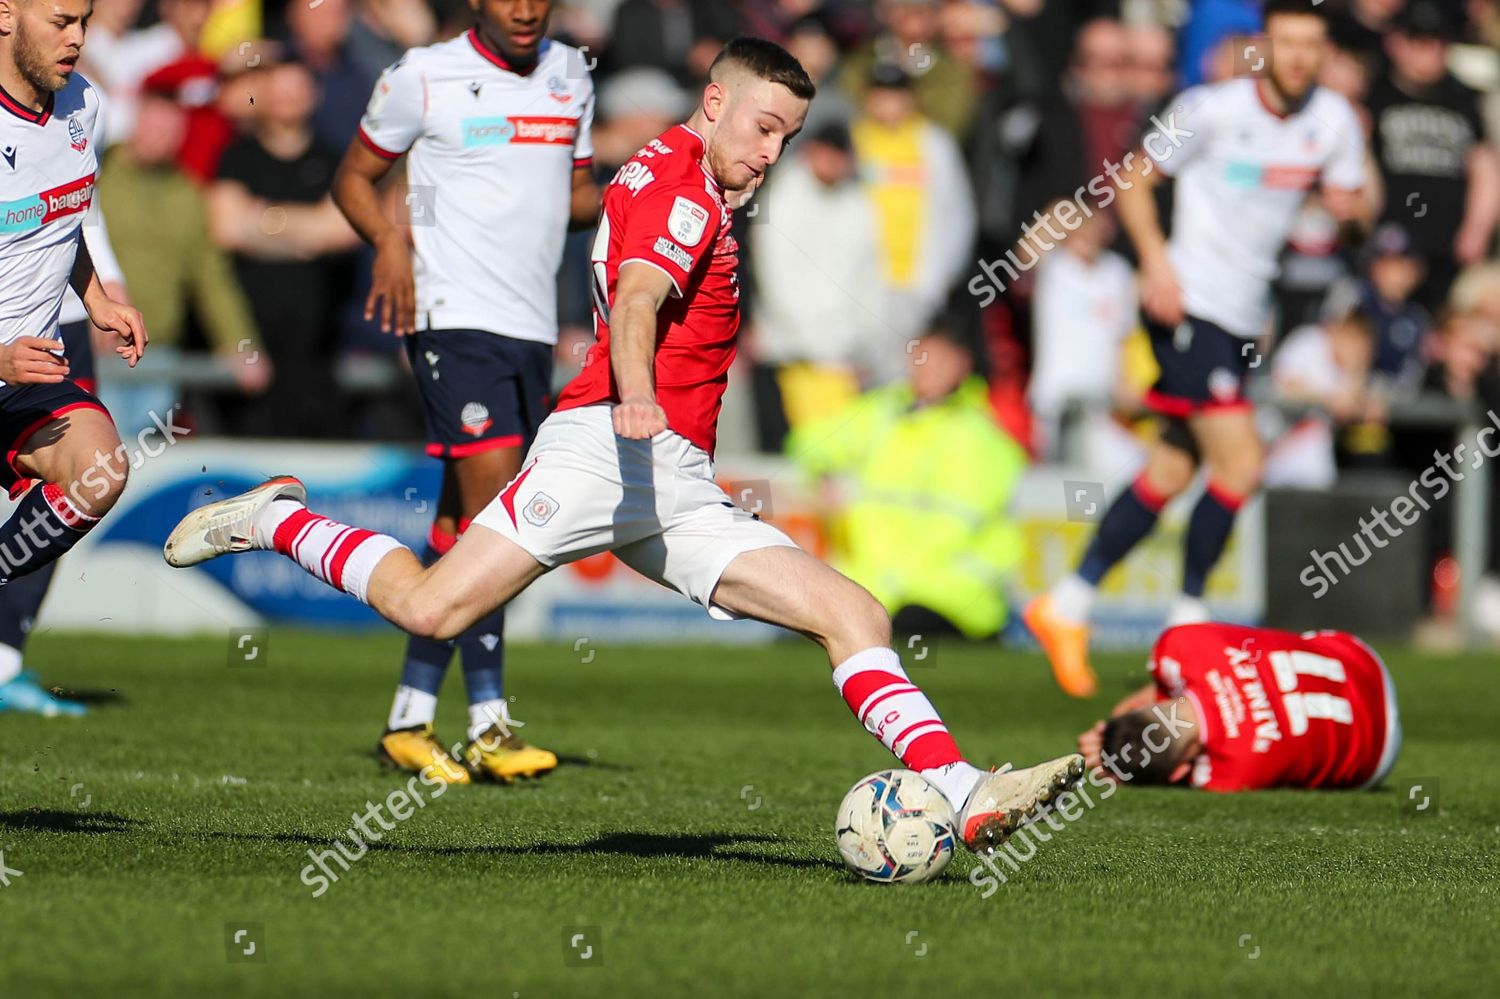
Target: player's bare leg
{"points": [[1234, 456], [1059, 618], [483, 570], [788, 587], [493, 750], [410, 741], [82, 468]]}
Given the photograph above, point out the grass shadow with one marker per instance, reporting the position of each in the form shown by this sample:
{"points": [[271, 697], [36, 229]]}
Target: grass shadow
{"points": [[96, 697], [52, 820], [681, 846]]}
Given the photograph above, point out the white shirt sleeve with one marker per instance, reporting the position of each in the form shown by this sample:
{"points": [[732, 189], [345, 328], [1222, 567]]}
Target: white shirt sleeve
{"points": [[1346, 167], [96, 238], [1182, 130], [583, 146], [393, 119], [95, 233]]}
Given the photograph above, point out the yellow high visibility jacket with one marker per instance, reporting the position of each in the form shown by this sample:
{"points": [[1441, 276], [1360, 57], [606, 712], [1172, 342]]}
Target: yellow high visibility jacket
{"points": [[927, 523]]}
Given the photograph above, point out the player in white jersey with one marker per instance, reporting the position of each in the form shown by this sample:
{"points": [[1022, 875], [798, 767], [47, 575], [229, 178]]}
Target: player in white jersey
{"points": [[53, 429], [21, 599], [495, 127], [1244, 154]]}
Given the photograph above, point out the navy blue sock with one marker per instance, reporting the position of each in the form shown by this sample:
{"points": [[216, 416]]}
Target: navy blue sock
{"points": [[20, 600], [44, 526], [483, 651], [1129, 519], [426, 658], [1207, 534]]}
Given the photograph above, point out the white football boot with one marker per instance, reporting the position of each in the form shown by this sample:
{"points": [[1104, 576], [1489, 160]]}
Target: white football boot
{"points": [[1002, 801], [228, 525]]}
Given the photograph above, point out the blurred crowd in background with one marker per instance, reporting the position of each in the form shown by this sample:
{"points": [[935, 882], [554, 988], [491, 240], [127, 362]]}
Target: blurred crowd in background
{"points": [[942, 127]]}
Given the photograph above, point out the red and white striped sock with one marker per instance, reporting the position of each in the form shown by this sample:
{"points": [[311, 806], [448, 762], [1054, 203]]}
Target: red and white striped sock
{"points": [[344, 557], [894, 710]]}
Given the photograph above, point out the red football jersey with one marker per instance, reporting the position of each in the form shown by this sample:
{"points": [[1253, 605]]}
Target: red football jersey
{"points": [[1277, 709], [663, 209]]}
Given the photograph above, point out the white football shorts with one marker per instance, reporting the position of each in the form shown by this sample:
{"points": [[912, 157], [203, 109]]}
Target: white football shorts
{"points": [[654, 503]]}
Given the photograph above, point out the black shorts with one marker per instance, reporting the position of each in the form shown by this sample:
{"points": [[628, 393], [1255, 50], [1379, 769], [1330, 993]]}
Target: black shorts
{"points": [[1203, 367], [78, 348], [25, 409], [480, 391]]}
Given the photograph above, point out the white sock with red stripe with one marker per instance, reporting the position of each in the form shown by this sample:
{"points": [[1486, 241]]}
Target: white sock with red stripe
{"points": [[895, 711], [344, 557]]}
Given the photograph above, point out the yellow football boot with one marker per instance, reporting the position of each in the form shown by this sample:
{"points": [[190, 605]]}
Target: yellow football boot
{"points": [[504, 756], [417, 749]]}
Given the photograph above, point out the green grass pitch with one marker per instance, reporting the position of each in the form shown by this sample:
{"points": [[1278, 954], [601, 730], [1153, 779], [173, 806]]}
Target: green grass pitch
{"points": [[688, 838]]}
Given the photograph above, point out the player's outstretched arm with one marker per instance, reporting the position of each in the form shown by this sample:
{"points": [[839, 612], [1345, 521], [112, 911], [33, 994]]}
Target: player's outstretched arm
{"points": [[640, 292], [393, 293], [1161, 297], [106, 313]]}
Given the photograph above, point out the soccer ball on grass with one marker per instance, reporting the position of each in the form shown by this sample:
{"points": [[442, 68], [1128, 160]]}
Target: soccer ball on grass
{"points": [[894, 826]]}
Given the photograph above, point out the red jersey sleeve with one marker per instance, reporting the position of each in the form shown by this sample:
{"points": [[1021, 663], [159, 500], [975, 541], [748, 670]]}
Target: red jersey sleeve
{"points": [[673, 229]]}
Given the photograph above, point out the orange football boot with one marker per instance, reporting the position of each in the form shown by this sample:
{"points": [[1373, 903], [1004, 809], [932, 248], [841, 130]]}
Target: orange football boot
{"points": [[1066, 644]]}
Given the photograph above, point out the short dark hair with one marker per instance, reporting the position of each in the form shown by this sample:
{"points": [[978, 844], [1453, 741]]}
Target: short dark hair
{"points": [[1303, 8], [768, 61], [1132, 759]]}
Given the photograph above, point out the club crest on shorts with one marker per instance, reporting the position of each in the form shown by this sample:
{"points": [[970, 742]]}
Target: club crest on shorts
{"points": [[475, 419], [688, 222], [1223, 385], [539, 509]]}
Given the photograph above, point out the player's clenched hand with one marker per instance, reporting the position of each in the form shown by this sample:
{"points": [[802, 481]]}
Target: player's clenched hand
{"points": [[393, 292], [639, 418], [30, 360], [1161, 296], [124, 322]]}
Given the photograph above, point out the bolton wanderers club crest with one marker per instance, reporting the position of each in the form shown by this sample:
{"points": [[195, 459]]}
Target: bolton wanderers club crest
{"points": [[77, 137], [475, 418]]}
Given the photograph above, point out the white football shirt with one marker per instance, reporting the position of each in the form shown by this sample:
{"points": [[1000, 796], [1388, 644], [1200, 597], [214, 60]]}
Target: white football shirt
{"points": [[491, 154], [1242, 173], [48, 164]]}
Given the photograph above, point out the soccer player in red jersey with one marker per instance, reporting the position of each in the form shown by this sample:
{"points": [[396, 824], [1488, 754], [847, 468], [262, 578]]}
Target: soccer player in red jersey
{"points": [[625, 464], [1233, 708]]}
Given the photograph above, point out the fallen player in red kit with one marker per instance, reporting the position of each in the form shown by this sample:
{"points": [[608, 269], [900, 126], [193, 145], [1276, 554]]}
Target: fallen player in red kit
{"points": [[1233, 708]]}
